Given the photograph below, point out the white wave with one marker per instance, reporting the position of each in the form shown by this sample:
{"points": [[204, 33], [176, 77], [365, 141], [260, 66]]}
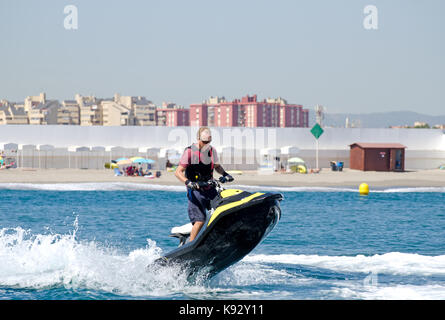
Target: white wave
{"points": [[395, 263], [47, 261], [247, 274], [414, 189], [395, 292]]}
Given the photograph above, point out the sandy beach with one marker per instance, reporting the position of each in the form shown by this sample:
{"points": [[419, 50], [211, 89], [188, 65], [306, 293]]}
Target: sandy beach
{"points": [[326, 178]]}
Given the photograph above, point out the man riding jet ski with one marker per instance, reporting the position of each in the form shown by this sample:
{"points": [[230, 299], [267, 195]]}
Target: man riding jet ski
{"points": [[237, 221], [195, 169]]}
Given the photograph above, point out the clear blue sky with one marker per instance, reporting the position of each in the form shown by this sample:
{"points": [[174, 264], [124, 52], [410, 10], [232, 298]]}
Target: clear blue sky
{"points": [[308, 51]]}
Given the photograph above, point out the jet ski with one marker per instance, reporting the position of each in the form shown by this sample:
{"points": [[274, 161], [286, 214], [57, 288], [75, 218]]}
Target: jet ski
{"points": [[236, 223]]}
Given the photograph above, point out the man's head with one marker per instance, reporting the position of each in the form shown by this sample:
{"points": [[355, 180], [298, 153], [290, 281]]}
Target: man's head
{"points": [[204, 135]]}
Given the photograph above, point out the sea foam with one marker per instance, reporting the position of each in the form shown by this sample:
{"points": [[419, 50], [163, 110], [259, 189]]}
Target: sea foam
{"points": [[45, 261], [395, 263]]}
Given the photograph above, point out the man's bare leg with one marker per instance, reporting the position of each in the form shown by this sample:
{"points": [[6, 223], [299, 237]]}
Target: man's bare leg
{"points": [[195, 230]]}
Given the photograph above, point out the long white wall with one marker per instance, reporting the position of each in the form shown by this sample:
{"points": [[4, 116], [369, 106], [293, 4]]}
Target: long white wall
{"points": [[425, 147], [163, 137]]}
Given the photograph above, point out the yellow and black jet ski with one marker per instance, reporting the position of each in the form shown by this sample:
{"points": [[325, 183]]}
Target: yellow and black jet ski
{"points": [[236, 223]]}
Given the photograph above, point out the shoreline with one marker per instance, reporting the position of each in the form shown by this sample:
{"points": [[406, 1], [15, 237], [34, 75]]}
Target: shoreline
{"points": [[326, 178]]}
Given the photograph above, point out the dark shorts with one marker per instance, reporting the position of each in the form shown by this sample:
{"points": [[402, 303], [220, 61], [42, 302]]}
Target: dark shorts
{"points": [[199, 202]]}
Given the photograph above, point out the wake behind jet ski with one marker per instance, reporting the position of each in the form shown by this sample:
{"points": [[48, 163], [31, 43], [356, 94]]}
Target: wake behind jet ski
{"points": [[237, 222]]}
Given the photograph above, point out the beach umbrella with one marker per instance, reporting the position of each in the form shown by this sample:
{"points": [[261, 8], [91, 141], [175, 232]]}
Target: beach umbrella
{"points": [[124, 162], [150, 161], [120, 159], [143, 160], [297, 165], [295, 160]]}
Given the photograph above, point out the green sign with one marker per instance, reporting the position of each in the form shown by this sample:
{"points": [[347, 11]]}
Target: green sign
{"points": [[317, 131]]}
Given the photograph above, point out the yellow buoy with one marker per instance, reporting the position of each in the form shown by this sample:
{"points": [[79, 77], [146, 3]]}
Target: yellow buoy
{"points": [[363, 189]]}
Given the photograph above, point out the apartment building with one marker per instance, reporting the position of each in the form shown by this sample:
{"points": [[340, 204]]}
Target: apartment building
{"points": [[11, 113], [90, 110], [91, 114], [199, 115], [139, 111], [143, 111], [115, 114], [68, 113], [44, 112], [248, 112], [172, 115], [33, 101]]}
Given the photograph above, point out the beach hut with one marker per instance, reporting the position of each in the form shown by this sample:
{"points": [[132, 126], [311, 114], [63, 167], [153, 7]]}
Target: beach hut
{"points": [[97, 157], [27, 147], [78, 156], [27, 155], [116, 152], [27, 152], [60, 156], [78, 148], [8, 146], [97, 149], [290, 151], [270, 152], [149, 152], [44, 149], [166, 152], [270, 157], [269, 160], [170, 153], [377, 156]]}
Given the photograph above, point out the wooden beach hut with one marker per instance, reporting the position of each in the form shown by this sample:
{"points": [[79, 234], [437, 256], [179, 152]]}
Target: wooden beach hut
{"points": [[377, 156]]}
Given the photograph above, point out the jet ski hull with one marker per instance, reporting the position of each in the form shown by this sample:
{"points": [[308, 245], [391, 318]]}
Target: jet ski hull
{"points": [[229, 235]]}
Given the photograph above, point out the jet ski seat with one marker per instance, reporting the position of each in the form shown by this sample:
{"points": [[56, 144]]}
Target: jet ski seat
{"points": [[181, 232]]}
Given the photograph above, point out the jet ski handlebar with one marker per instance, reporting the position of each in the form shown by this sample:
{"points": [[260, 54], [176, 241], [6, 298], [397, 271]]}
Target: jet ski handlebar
{"points": [[216, 183]]}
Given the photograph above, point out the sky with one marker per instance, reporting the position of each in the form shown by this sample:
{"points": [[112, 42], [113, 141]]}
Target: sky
{"points": [[308, 52]]}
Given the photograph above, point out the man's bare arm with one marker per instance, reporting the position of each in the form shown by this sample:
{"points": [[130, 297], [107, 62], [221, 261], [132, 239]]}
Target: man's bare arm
{"points": [[219, 169], [180, 174]]}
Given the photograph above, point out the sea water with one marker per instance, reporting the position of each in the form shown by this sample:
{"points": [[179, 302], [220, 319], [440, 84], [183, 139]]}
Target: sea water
{"points": [[95, 240]]}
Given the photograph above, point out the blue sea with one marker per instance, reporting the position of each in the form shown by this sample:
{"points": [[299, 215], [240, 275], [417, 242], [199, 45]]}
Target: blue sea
{"points": [[94, 241]]}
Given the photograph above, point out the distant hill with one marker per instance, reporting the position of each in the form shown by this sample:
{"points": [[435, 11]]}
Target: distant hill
{"points": [[377, 119]]}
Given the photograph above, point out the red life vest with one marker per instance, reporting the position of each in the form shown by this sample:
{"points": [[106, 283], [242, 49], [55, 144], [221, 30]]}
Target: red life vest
{"points": [[200, 166]]}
